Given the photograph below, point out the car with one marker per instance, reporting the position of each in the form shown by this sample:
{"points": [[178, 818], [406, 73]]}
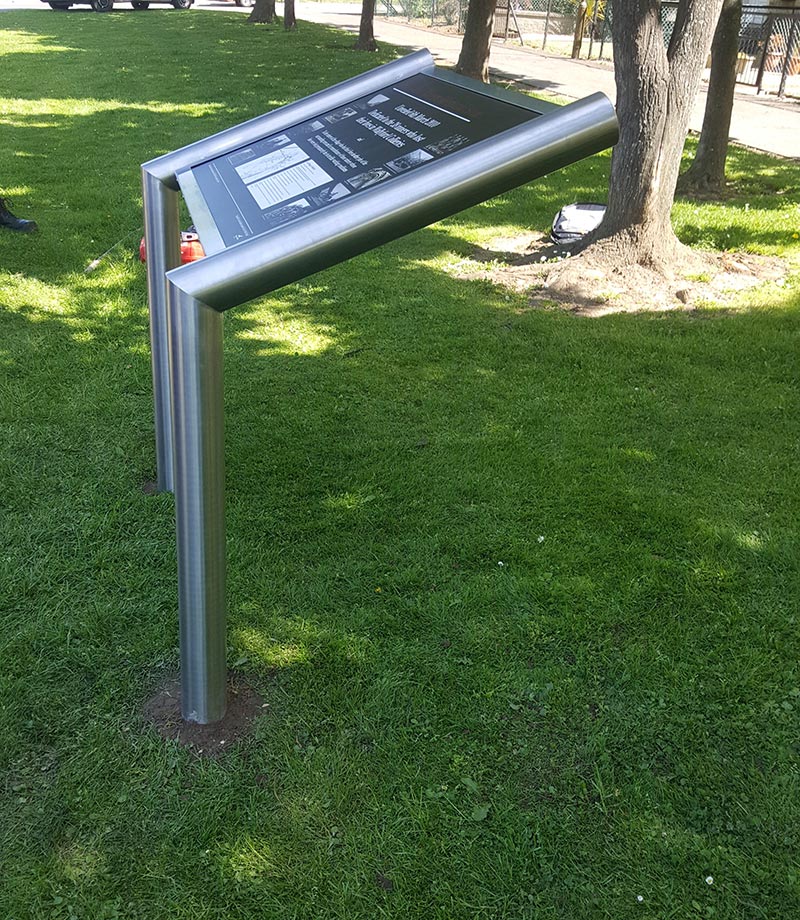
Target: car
{"points": [[105, 6]]}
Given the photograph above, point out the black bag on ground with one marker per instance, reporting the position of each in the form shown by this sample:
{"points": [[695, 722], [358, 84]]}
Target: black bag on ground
{"points": [[574, 221]]}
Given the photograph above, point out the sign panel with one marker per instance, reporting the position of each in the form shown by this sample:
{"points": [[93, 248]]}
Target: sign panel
{"points": [[283, 177]]}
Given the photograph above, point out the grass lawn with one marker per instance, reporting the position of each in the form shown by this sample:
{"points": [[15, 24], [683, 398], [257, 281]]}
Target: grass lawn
{"points": [[520, 589]]}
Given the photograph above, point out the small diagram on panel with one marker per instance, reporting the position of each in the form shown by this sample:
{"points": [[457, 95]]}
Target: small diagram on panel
{"points": [[271, 143], [448, 144], [409, 160], [370, 177], [241, 156], [333, 193], [271, 163]]}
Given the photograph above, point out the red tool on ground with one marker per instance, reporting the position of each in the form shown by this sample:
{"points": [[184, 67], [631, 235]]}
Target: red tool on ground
{"points": [[191, 247]]}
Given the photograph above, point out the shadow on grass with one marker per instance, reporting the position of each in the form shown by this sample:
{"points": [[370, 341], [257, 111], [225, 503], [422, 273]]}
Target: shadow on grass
{"points": [[386, 452], [519, 587]]}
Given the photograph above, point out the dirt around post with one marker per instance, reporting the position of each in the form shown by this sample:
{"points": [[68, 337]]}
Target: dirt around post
{"points": [[163, 713]]}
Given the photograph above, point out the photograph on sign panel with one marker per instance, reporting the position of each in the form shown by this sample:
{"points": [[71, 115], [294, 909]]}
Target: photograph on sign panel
{"points": [[271, 143], [288, 212], [333, 193], [370, 177], [346, 112], [241, 156], [409, 160], [447, 144]]}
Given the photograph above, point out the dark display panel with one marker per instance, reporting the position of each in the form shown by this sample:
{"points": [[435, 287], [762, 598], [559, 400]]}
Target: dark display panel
{"points": [[357, 146]]}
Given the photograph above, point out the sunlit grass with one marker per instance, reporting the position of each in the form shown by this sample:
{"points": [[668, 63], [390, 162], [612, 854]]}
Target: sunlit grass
{"points": [[22, 41], [84, 107], [291, 335], [518, 589]]}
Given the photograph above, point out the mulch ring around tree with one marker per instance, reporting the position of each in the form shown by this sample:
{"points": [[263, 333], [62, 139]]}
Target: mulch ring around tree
{"points": [[163, 713], [586, 287]]}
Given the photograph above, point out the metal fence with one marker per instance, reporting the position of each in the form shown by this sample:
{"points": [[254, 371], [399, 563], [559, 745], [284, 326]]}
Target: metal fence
{"points": [[552, 22], [769, 41], [769, 49], [436, 13], [540, 23]]}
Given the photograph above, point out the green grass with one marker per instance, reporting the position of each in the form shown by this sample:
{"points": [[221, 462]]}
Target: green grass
{"points": [[520, 589]]}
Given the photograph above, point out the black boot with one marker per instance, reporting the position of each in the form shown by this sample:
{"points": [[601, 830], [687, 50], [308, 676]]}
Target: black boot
{"points": [[8, 220]]}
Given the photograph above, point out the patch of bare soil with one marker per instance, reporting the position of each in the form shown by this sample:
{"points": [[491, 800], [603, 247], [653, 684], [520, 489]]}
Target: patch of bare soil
{"points": [[588, 287], [163, 712]]}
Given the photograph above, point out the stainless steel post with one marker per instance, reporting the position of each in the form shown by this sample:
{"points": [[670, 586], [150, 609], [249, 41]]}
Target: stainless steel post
{"points": [[162, 241], [197, 420]]}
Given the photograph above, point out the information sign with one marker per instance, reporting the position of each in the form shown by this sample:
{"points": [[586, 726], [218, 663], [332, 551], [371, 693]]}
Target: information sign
{"points": [[280, 178], [285, 195]]}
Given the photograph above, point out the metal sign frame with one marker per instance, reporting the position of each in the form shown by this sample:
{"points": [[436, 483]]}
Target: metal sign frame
{"points": [[187, 303]]}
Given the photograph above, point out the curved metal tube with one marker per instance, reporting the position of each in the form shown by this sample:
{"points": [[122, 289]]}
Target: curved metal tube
{"points": [[166, 167], [264, 263]]}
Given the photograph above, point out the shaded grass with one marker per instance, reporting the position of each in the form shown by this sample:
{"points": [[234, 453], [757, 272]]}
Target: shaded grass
{"points": [[612, 711]]}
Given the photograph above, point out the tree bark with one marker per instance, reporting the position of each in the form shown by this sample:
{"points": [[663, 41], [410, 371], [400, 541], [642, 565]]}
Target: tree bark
{"points": [[473, 61], [707, 172], [366, 30], [580, 27], [263, 11], [656, 87], [289, 17]]}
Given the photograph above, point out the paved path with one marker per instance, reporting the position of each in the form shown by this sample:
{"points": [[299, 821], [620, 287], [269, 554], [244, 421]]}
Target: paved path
{"points": [[762, 123]]}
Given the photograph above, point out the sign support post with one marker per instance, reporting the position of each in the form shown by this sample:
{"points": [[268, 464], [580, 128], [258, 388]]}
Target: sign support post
{"points": [[199, 465], [162, 244]]}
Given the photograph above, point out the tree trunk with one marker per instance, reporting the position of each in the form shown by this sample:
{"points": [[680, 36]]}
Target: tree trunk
{"points": [[707, 172], [656, 87], [289, 17], [473, 61], [580, 26], [263, 11], [366, 32]]}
